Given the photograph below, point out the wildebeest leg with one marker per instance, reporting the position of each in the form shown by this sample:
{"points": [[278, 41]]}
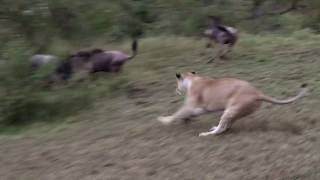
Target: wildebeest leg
{"points": [[223, 52], [219, 51], [227, 49], [81, 71], [81, 75], [186, 121], [92, 76], [209, 44], [116, 68]]}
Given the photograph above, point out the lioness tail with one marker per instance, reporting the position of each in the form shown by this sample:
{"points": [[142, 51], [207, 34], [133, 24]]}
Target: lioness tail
{"points": [[272, 100]]}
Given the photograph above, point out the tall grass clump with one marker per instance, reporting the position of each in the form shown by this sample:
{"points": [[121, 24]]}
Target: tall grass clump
{"points": [[24, 98], [19, 99]]}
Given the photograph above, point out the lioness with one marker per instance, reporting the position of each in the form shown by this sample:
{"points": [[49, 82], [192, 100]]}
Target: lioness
{"points": [[237, 98]]}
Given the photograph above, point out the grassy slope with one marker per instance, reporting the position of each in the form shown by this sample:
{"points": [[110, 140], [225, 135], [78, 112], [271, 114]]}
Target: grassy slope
{"points": [[120, 139]]}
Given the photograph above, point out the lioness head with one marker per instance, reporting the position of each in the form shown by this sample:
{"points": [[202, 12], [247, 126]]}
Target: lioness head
{"points": [[183, 82]]}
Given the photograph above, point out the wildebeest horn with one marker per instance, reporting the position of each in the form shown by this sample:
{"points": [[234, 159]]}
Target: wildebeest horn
{"points": [[134, 48]]}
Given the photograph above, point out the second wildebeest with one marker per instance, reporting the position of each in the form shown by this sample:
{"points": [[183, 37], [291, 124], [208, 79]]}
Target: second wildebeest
{"points": [[92, 61], [224, 36]]}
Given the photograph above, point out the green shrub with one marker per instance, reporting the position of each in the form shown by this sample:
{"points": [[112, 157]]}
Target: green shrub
{"points": [[18, 95], [24, 98]]}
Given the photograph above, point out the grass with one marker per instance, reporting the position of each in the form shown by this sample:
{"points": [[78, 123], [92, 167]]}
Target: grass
{"points": [[118, 137]]}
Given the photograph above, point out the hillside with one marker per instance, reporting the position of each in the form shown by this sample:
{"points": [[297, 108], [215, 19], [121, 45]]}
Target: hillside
{"points": [[118, 137]]}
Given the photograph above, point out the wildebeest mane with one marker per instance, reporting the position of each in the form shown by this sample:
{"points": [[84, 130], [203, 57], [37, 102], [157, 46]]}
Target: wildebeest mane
{"points": [[96, 50]]}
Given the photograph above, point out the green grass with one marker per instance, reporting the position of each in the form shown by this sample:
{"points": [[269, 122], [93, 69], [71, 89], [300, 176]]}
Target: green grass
{"points": [[119, 137], [274, 63]]}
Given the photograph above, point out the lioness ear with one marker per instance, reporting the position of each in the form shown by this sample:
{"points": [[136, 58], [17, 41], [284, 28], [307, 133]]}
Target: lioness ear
{"points": [[178, 75], [193, 72]]}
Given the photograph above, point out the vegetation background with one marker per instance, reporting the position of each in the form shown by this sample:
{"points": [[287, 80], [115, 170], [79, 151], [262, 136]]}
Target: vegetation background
{"points": [[278, 50]]}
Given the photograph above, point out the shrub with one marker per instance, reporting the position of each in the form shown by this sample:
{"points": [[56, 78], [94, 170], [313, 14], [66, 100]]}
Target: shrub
{"points": [[24, 98]]}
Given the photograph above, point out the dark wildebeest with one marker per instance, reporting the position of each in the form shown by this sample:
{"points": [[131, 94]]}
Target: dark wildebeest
{"points": [[39, 60], [222, 35], [93, 61]]}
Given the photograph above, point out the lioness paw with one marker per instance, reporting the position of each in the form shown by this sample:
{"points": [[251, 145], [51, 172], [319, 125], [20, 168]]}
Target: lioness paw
{"points": [[204, 134], [207, 133], [165, 120]]}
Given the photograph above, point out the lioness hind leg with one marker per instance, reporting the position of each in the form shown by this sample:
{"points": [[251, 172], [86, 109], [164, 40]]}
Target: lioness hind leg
{"points": [[224, 124], [233, 113]]}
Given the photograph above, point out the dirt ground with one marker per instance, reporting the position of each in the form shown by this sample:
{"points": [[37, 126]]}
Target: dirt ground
{"points": [[119, 138]]}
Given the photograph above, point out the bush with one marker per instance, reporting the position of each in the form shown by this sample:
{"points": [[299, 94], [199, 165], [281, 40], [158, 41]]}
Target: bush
{"points": [[18, 96], [24, 99]]}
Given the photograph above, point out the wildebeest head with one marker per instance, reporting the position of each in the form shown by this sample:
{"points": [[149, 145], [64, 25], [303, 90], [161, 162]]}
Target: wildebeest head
{"points": [[74, 62], [95, 51], [62, 72], [214, 21]]}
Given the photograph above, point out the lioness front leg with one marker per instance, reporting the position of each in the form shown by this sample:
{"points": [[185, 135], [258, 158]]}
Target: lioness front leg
{"points": [[182, 113]]}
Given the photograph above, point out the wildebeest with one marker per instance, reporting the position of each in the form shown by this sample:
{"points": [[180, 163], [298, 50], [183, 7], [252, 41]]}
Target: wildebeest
{"points": [[39, 60], [222, 35], [92, 61]]}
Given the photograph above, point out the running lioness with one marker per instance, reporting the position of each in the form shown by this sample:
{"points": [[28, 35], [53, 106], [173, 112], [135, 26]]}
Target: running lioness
{"points": [[237, 98]]}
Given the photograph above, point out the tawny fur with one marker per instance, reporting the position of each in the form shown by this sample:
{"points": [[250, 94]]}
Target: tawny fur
{"points": [[237, 98]]}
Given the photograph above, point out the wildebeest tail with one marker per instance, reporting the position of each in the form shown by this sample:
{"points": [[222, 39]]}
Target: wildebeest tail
{"points": [[134, 48]]}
